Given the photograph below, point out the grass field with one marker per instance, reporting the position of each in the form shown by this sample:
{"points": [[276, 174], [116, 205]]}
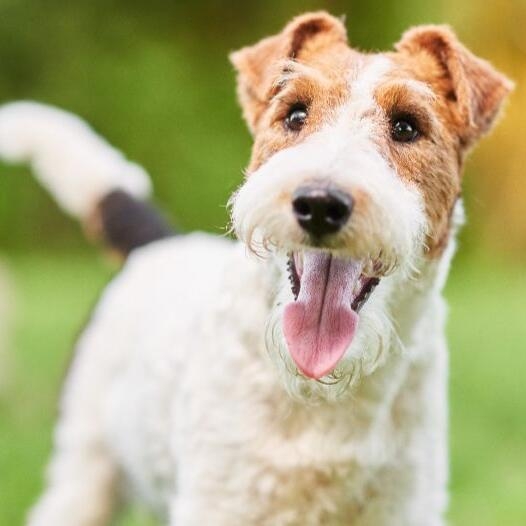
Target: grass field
{"points": [[488, 388]]}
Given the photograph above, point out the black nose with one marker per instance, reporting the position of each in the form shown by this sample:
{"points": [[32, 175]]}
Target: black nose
{"points": [[321, 210]]}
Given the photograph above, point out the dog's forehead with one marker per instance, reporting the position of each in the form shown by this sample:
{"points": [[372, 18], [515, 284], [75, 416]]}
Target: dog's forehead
{"points": [[356, 75], [366, 72]]}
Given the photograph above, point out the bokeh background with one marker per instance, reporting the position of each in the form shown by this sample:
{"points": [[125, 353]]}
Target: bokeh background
{"points": [[154, 79]]}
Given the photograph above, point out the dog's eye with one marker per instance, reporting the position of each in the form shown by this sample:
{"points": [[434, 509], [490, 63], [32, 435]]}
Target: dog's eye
{"points": [[404, 129], [296, 117]]}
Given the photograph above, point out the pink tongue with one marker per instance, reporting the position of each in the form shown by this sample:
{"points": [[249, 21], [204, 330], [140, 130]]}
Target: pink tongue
{"points": [[320, 325]]}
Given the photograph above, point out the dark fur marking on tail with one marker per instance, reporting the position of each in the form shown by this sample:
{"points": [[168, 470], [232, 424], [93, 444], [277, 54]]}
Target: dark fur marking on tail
{"points": [[127, 223]]}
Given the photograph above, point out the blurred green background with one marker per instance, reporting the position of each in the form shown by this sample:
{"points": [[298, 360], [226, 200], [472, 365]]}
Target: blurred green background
{"points": [[154, 79]]}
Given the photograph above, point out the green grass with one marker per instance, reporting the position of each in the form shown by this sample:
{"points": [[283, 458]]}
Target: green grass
{"points": [[53, 300], [487, 328], [487, 331]]}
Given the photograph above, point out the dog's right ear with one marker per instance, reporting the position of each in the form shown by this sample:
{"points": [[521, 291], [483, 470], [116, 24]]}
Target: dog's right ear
{"points": [[259, 65], [473, 85]]}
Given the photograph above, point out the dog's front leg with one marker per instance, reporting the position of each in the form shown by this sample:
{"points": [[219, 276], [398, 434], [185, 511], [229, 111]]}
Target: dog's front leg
{"points": [[187, 509], [81, 483], [80, 492], [401, 502], [412, 490]]}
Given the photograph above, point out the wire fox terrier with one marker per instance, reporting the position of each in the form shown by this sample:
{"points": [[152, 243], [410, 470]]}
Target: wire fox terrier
{"points": [[306, 386]]}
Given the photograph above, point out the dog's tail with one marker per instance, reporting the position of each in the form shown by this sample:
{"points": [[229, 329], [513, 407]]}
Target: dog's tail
{"points": [[88, 178]]}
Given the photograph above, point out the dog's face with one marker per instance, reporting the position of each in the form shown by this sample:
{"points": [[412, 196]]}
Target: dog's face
{"points": [[354, 174]]}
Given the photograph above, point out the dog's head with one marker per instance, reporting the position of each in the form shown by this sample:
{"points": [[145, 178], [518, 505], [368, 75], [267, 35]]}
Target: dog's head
{"points": [[354, 175]]}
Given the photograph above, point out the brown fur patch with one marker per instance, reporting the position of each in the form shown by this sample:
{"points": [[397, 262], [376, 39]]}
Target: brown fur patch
{"points": [[322, 88], [469, 94], [258, 66], [431, 162], [475, 88]]}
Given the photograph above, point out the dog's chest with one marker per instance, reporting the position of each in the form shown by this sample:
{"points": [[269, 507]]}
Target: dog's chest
{"points": [[313, 495], [250, 450], [320, 469]]}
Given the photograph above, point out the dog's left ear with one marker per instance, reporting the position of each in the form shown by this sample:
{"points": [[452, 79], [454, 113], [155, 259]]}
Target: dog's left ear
{"points": [[476, 88], [259, 65]]}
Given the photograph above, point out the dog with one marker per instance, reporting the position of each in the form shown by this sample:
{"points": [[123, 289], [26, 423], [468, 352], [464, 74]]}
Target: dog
{"points": [[297, 376]]}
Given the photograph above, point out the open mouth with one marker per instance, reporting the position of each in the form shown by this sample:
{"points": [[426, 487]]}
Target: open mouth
{"points": [[320, 324]]}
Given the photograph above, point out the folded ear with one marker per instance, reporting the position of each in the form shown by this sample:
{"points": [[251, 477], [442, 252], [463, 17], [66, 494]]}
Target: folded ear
{"points": [[259, 65], [477, 89]]}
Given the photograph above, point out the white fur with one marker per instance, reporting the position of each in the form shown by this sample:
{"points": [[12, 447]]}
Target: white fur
{"points": [[76, 165], [173, 393]]}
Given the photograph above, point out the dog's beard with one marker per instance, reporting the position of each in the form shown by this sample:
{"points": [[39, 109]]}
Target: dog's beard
{"points": [[385, 235], [373, 341]]}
